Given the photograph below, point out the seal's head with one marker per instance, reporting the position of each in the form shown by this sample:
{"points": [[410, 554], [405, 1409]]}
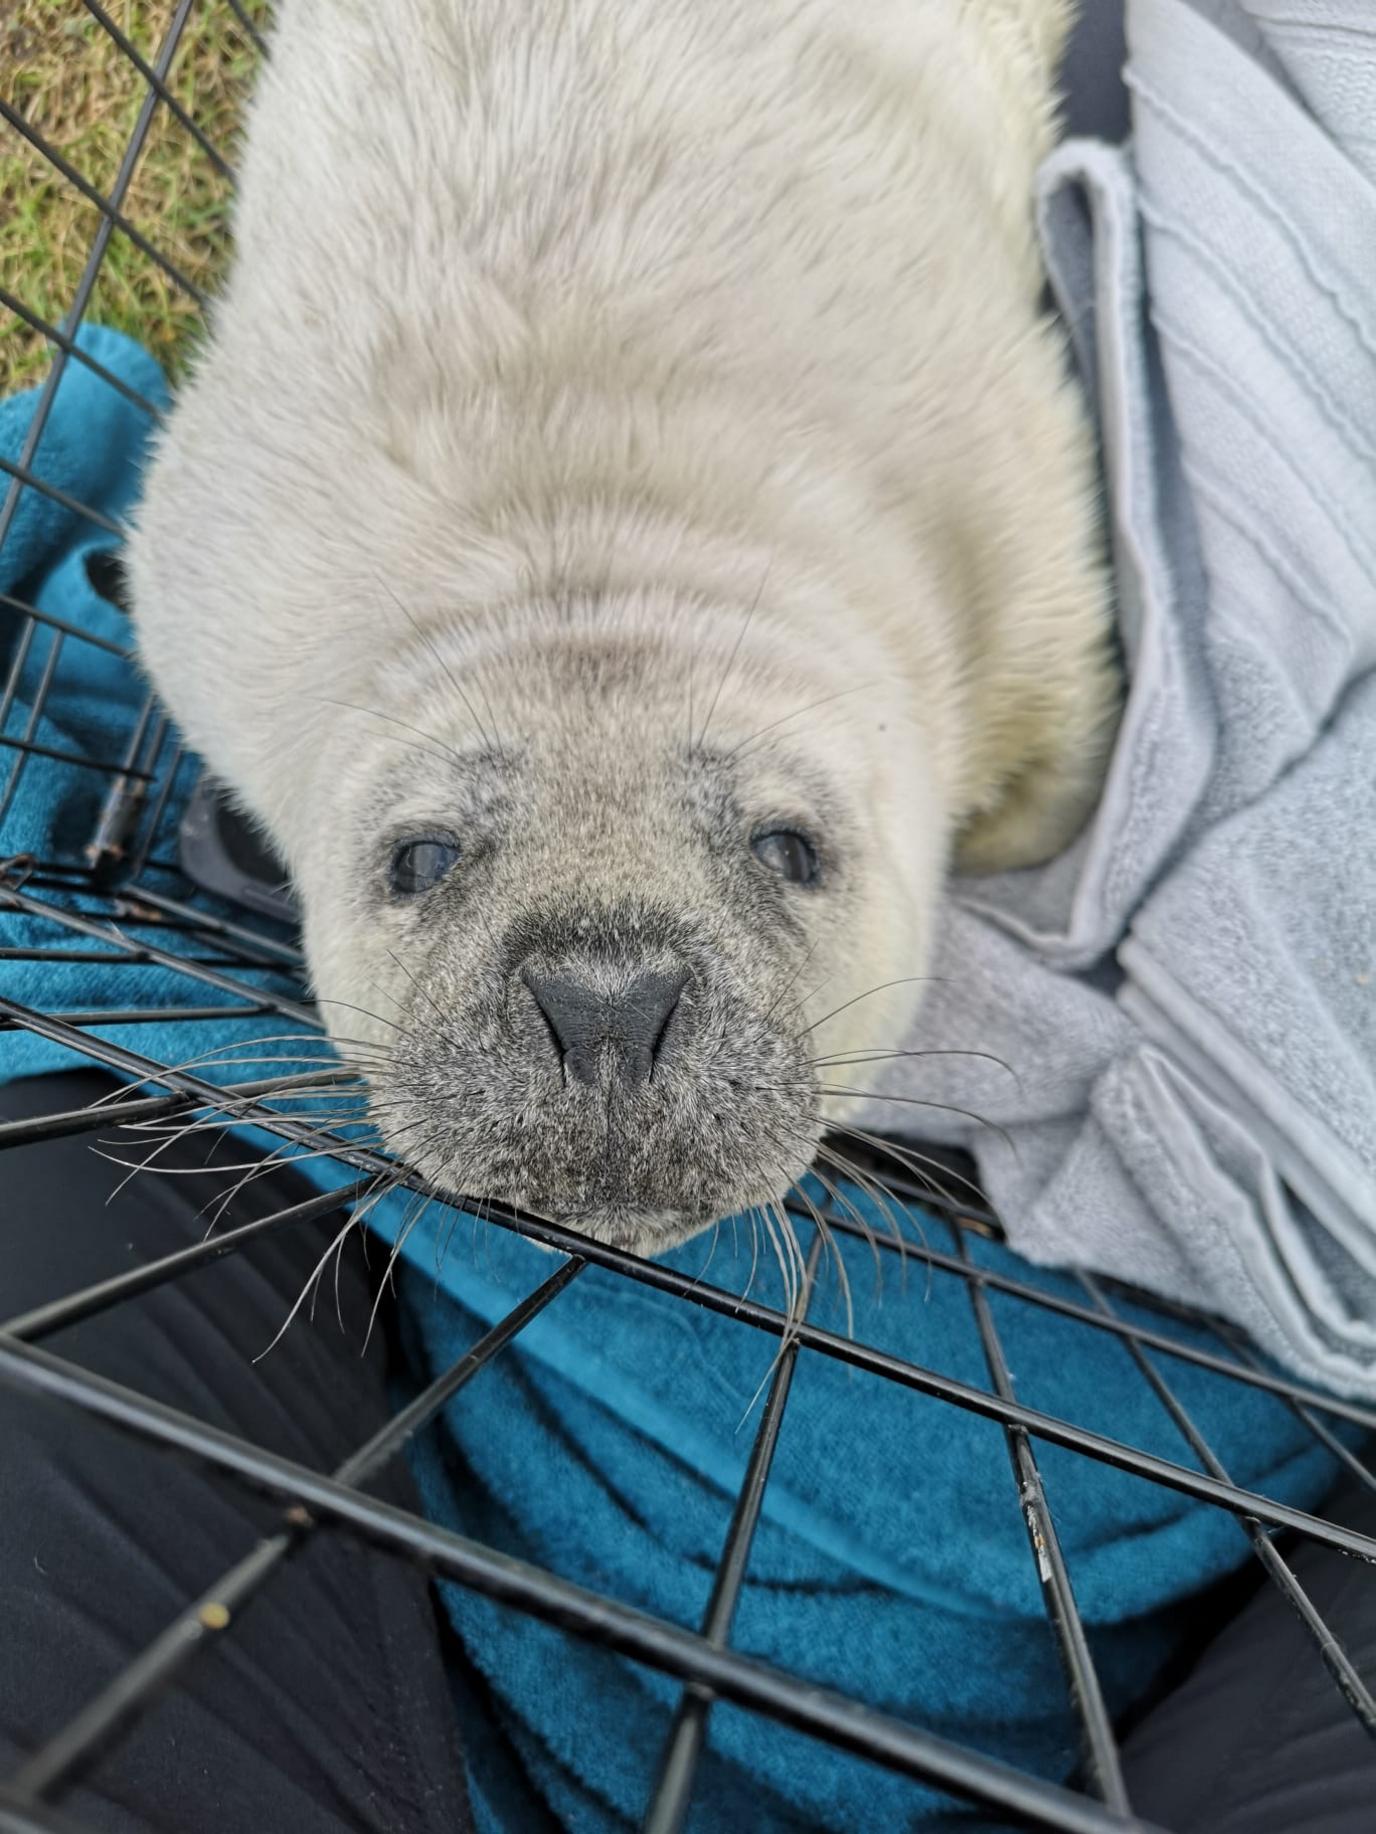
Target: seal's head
{"points": [[616, 896]]}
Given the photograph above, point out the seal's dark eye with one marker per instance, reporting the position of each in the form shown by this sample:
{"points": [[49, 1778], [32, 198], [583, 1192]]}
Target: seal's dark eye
{"points": [[419, 865], [790, 855]]}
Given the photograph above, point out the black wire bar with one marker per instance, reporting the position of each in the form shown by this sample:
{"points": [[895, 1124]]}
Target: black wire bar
{"points": [[107, 206], [110, 937], [147, 1015], [1277, 1568], [164, 94], [251, 31], [210, 925], [1099, 1748], [53, 622], [29, 749], [1304, 1409], [672, 1793], [72, 1308], [152, 826], [116, 958], [1252, 1374], [57, 369], [233, 1099], [69, 347], [30, 480], [82, 1740], [27, 745]]}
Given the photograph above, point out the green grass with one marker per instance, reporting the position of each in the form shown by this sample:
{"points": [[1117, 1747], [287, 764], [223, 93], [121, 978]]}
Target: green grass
{"points": [[62, 72]]}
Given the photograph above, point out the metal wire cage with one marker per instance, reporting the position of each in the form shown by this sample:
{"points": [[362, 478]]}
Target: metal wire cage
{"points": [[119, 898]]}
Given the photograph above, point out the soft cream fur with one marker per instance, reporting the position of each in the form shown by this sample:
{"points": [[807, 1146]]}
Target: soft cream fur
{"points": [[689, 330]]}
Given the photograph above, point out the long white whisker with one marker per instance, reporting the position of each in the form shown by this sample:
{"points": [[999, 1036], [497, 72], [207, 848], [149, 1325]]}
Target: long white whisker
{"points": [[906, 980], [833, 1252], [913, 1101], [873, 1054], [929, 1171], [311, 1281]]}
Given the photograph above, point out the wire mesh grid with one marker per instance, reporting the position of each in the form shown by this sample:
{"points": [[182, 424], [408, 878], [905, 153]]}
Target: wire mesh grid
{"points": [[118, 902]]}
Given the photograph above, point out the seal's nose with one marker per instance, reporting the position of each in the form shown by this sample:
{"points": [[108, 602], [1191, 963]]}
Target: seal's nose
{"points": [[628, 1022]]}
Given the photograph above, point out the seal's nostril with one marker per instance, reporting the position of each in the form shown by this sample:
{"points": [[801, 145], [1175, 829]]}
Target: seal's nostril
{"points": [[627, 1024], [547, 992]]}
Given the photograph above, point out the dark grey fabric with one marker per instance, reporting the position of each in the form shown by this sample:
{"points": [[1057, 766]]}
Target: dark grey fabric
{"points": [[1095, 99], [326, 1708], [1258, 1739]]}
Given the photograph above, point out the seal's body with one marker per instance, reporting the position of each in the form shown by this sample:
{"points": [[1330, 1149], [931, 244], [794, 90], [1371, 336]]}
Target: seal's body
{"points": [[628, 527]]}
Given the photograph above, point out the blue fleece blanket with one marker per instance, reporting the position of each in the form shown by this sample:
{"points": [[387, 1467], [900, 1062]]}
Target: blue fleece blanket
{"points": [[892, 1560], [91, 448]]}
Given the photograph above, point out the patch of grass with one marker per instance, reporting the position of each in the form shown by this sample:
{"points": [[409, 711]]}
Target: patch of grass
{"points": [[67, 77]]}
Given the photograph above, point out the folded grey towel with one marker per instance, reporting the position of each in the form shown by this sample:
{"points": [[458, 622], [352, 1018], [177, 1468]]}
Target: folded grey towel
{"points": [[1188, 997]]}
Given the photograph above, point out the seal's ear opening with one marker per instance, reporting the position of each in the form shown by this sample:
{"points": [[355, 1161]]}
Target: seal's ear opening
{"points": [[107, 577]]}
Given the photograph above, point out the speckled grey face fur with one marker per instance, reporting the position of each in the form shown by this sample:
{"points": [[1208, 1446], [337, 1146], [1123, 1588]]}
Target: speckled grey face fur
{"points": [[599, 1004]]}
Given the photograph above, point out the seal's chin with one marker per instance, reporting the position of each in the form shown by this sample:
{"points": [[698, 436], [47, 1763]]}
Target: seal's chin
{"points": [[641, 1223], [636, 1230]]}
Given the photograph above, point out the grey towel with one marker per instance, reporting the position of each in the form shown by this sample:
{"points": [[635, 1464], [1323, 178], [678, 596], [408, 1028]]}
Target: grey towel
{"points": [[1188, 997]]}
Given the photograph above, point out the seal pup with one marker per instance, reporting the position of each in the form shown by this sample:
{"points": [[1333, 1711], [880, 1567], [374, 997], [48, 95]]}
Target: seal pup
{"points": [[629, 529]]}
